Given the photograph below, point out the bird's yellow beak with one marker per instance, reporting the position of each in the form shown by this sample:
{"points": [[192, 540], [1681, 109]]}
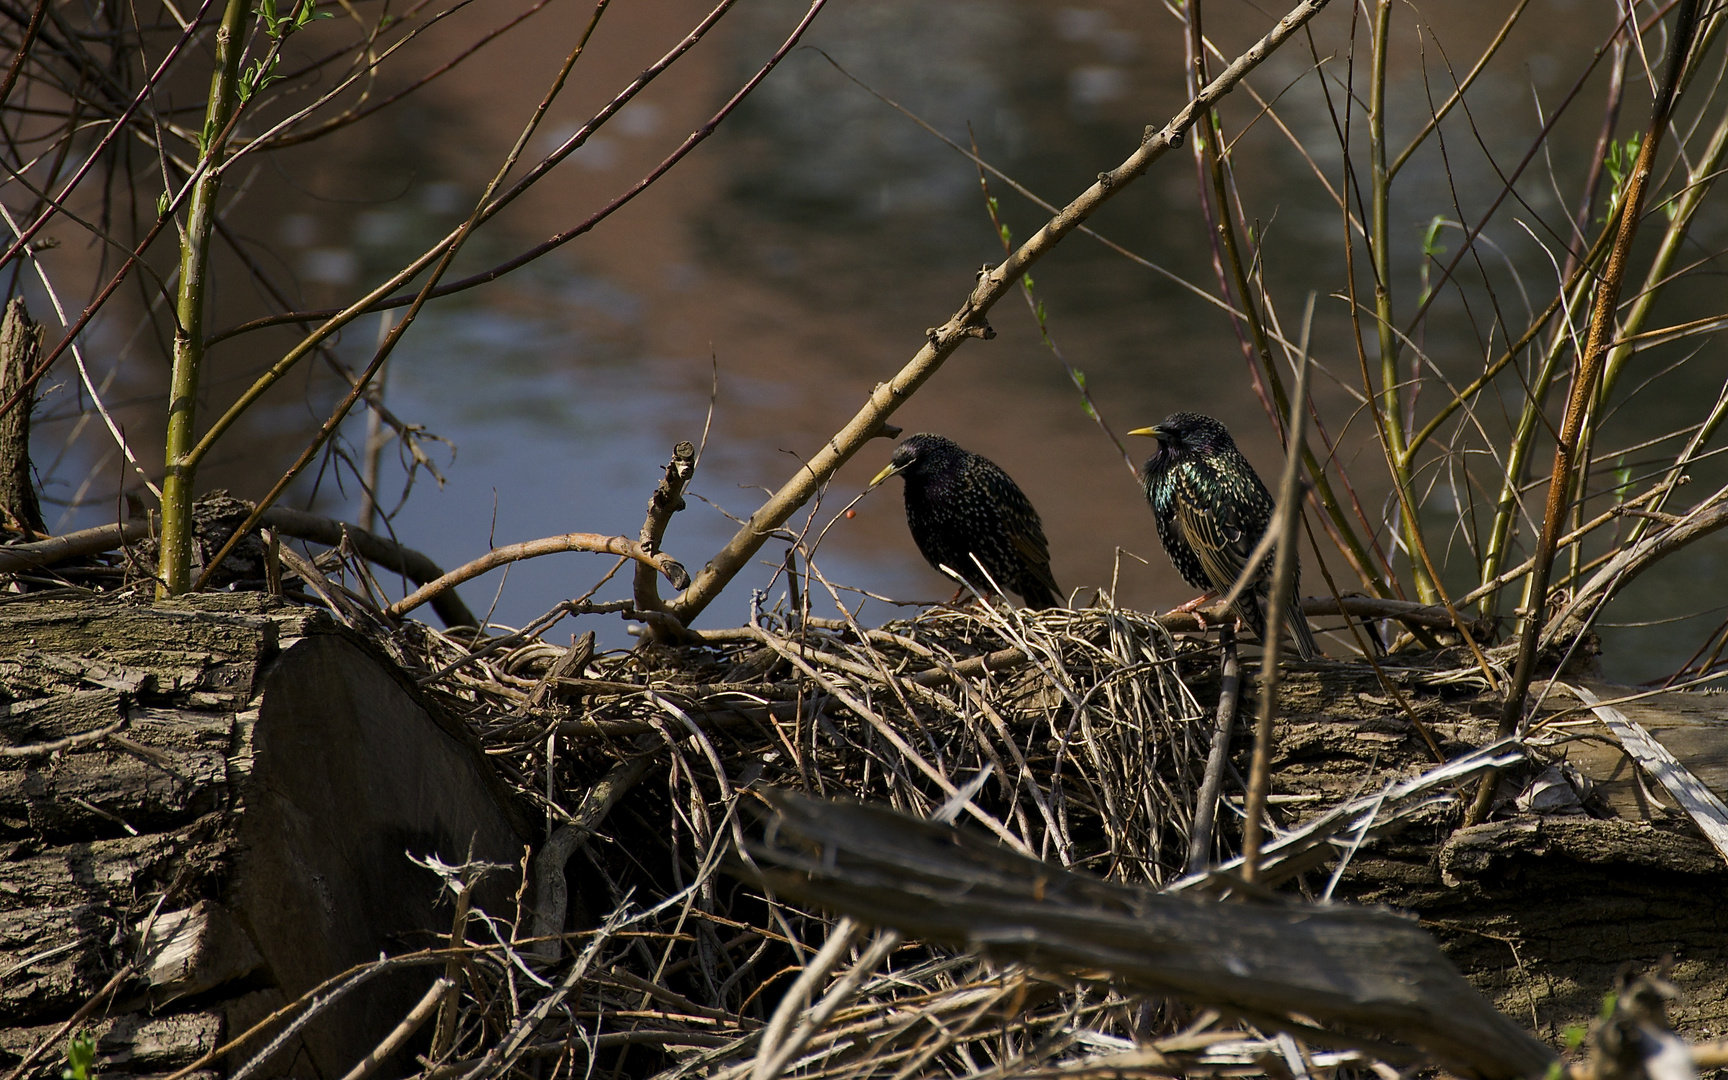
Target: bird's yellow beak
{"points": [[1154, 431], [883, 475]]}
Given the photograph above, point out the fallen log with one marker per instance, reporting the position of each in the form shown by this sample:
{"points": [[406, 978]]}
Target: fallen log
{"points": [[1356, 969], [225, 792]]}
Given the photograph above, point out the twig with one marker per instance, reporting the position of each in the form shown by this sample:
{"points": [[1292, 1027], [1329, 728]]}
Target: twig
{"points": [[70, 742], [551, 893], [1206, 806], [551, 545], [402, 1032], [1629, 562], [444, 1032], [507, 1049], [387, 553], [840, 938], [1283, 584], [773, 1057]]}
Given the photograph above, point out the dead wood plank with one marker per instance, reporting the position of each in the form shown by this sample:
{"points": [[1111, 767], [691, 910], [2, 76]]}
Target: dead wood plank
{"points": [[1366, 968], [1691, 725], [1706, 809]]}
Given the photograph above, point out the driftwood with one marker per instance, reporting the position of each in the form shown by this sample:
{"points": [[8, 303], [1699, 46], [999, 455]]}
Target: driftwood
{"points": [[224, 791], [1369, 969]]}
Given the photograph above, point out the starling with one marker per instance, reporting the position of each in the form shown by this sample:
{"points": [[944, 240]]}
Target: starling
{"points": [[959, 504], [1212, 510]]}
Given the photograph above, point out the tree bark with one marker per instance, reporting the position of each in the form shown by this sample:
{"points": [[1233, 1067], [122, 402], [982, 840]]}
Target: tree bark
{"points": [[237, 817]]}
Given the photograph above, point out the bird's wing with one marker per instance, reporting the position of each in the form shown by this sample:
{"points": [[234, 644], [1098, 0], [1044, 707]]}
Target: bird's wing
{"points": [[1020, 522], [1214, 533], [1032, 546]]}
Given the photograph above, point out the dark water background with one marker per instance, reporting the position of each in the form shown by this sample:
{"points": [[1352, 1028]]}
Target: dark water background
{"points": [[801, 252]]}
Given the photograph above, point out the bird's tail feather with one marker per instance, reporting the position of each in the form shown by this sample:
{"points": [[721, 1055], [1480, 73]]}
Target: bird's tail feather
{"points": [[1252, 611], [1299, 627]]}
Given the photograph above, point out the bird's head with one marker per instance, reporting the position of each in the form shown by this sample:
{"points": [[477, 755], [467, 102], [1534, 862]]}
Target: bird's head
{"points": [[1184, 433], [915, 454]]}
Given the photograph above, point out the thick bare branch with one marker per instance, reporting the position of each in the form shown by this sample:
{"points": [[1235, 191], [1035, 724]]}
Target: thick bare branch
{"points": [[69, 546]]}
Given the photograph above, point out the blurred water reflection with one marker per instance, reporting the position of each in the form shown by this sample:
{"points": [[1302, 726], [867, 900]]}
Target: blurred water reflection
{"points": [[805, 248]]}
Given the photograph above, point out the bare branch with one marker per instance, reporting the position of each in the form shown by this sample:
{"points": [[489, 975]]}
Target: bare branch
{"points": [[968, 322], [551, 545]]}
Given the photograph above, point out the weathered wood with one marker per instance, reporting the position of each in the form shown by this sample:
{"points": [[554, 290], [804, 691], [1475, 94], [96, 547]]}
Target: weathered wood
{"points": [[20, 342], [179, 771], [277, 773], [1692, 725], [132, 1043], [1370, 969], [1539, 912], [195, 950]]}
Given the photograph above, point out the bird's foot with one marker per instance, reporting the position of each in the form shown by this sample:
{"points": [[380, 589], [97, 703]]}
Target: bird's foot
{"points": [[964, 597], [1193, 607]]}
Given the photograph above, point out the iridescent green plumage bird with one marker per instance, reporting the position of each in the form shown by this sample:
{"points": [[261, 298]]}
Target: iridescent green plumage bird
{"points": [[1212, 510], [960, 504]]}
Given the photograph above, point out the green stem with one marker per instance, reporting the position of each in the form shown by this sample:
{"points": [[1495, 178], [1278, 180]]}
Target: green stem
{"points": [[1354, 550], [1584, 384], [1391, 399], [1530, 420], [179, 472]]}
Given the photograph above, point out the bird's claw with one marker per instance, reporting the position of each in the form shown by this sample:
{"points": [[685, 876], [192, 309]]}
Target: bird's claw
{"points": [[1193, 607]]}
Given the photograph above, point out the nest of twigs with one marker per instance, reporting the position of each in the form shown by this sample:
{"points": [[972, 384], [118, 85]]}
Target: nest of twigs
{"points": [[642, 944], [1067, 735]]}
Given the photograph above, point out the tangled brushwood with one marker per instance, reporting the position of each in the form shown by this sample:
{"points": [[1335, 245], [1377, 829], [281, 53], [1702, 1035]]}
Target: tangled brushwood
{"points": [[1070, 736], [958, 845], [1067, 736]]}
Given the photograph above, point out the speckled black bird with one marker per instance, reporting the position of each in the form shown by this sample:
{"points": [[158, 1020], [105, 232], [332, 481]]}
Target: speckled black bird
{"points": [[960, 504], [1212, 510]]}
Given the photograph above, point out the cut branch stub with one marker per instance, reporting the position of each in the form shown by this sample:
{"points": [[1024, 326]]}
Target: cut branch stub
{"points": [[667, 500]]}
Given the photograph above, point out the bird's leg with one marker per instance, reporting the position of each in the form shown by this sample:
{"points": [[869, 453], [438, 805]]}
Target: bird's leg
{"points": [[1193, 606]]}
